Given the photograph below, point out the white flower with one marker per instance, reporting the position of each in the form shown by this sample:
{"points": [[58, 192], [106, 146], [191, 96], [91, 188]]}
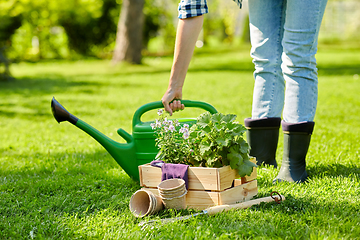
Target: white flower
{"points": [[176, 122], [153, 126], [183, 130], [171, 128], [186, 126], [157, 123], [186, 135], [160, 112], [170, 123]]}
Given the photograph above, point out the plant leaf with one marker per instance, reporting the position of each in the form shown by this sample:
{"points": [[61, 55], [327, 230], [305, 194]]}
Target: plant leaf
{"points": [[204, 118], [246, 168], [217, 117], [229, 118], [221, 141], [244, 146], [204, 147]]}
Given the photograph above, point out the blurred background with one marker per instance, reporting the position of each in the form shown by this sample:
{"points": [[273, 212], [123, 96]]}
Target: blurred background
{"points": [[76, 29]]}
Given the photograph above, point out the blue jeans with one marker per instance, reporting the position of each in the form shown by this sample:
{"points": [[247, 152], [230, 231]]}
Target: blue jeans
{"points": [[284, 37]]}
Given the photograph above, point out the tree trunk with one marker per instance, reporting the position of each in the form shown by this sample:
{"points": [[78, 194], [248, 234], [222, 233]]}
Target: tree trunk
{"points": [[129, 33]]}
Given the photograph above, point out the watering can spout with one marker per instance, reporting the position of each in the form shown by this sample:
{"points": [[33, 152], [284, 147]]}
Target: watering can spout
{"points": [[61, 114], [123, 153]]}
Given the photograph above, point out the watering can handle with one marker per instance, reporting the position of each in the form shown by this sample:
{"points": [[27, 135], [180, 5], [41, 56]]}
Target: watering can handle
{"points": [[156, 105]]}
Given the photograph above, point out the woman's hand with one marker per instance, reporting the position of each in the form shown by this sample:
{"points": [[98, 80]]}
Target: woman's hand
{"points": [[169, 96]]}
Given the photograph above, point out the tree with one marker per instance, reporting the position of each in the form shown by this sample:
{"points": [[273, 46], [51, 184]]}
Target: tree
{"points": [[129, 33], [7, 28]]}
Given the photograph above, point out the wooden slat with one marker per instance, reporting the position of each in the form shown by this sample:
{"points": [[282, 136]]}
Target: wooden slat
{"points": [[201, 178], [150, 176], [241, 193], [201, 199], [226, 177]]}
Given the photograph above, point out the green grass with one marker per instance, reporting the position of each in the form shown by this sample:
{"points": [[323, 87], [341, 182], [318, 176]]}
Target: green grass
{"points": [[56, 182]]}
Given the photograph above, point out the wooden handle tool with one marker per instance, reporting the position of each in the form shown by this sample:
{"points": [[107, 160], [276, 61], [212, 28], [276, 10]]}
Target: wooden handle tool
{"points": [[243, 205]]}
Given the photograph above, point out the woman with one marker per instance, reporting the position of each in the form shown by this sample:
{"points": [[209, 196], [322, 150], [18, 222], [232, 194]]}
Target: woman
{"points": [[284, 37]]}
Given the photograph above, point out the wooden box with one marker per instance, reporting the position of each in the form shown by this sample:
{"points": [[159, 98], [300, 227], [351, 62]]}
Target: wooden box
{"points": [[207, 186]]}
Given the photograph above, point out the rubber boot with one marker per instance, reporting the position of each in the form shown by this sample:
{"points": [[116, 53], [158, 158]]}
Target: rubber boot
{"points": [[262, 135], [296, 144]]}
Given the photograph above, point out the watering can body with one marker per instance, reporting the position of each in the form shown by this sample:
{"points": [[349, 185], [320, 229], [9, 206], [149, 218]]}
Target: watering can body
{"points": [[140, 147]]}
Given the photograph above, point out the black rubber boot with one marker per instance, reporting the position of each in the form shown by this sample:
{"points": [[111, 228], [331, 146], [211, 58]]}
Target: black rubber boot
{"points": [[262, 136], [296, 144]]}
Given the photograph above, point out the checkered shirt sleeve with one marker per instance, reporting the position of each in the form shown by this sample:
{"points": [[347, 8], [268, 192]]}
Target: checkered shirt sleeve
{"points": [[194, 8], [238, 2]]}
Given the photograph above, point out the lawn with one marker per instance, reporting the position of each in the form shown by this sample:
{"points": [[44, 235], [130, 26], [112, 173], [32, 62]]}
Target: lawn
{"points": [[56, 182]]}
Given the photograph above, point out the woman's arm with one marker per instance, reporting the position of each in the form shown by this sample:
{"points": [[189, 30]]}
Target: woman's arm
{"points": [[186, 36]]}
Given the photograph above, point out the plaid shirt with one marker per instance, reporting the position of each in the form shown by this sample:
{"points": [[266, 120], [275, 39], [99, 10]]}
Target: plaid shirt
{"points": [[194, 8]]}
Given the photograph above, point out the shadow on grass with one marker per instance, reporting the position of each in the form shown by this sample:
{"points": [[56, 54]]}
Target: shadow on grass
{"points": [[343, 69], [42, 85], [334, 170]]}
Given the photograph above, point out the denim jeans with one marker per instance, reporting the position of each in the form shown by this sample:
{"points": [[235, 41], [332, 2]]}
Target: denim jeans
{"points": [[284, 37]]}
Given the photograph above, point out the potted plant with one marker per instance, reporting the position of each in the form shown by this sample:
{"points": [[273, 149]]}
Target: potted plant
{"points": [[215, 140]]}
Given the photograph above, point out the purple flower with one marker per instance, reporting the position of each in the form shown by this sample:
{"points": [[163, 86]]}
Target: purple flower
{"points": [[160, 112]]}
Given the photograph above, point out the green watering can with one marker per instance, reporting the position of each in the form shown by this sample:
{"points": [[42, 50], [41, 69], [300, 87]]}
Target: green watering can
{"points": [[140, 146]]}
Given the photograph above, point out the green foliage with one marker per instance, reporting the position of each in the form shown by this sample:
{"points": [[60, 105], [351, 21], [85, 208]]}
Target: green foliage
{"points": [[86, 29], [218, 141], [215, 140], [52, 29]]}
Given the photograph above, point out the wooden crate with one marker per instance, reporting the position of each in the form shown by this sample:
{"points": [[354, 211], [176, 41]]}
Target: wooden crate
{"points": [[208, 187], [200, 178], [200, 200]]}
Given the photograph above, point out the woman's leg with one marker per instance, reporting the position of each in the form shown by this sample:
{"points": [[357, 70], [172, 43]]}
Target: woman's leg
{"points": [[301, 30], [266, 31]]}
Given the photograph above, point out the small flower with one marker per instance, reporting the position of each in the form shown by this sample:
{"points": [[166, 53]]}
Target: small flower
{"points": [[171, 128], [186, 135], [186, 126], [160, 112], [157, 123], [170, 123], [153, 126], [176, 122], [183, 130]]}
